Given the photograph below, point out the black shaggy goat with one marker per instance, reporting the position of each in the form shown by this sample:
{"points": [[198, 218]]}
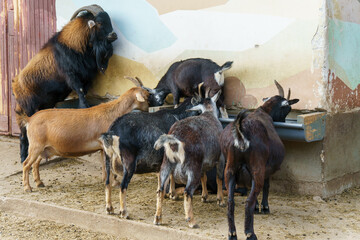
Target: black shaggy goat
{"points": [[129, 142], [253, 152], [183, 77], [68, 61]]}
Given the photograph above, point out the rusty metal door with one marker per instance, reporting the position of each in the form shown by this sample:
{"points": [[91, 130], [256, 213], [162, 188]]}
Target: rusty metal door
{"points": [[25, 25]]}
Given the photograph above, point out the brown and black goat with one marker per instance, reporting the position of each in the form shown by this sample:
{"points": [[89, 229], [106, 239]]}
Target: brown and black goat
{"points": [[183, 78], [69, 61], [74, 132], [129, 146], [191, 149], [253, 151]]}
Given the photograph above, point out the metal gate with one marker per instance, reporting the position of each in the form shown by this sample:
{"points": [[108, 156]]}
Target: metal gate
{"points": [[25, 25]]}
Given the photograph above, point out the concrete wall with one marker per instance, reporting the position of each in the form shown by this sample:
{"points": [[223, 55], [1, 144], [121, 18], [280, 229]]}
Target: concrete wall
{"points": [[266, 40]]}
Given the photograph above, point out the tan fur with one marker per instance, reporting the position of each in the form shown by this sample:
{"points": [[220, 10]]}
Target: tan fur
{"points": [[123, 211], [41, 65], [75, 132], [75, 34], [189, 214], [159, 201], [204, 193], [220, 194]]}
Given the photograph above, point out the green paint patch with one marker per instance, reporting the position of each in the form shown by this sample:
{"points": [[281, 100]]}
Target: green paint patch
{"points": [[344, 51]]}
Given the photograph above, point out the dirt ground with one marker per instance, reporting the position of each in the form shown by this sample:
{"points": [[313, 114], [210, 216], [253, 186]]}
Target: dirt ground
{"points": [[76, 183]]}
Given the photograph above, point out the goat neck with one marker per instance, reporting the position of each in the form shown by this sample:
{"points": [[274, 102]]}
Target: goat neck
{"points": [[124, 104]]}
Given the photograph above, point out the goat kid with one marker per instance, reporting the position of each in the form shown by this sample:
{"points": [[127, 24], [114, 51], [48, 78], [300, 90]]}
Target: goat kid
{"points": [[253, 152], [74, 132], [129, 146], [191, 149]]}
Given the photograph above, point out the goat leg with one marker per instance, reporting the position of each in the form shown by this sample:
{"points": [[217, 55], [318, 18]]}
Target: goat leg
{"points": [[264, 203], [162, 177], [204, 193], [172, 190], [36, 173], [230, 180]]}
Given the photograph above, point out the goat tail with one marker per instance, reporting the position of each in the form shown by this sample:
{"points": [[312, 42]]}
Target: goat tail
{"points": [[174, 148], [226, 66], [111, 143], [240, 141]]}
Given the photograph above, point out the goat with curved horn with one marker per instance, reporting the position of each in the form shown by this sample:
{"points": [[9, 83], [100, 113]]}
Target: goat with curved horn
{"points": [[93, 9]]}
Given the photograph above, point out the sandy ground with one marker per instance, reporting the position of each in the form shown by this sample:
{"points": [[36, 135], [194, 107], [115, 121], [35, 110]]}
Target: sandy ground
{"points": [[76, 183]]}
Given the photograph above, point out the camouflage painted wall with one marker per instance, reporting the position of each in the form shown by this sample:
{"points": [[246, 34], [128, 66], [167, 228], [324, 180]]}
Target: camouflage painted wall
{"points": [[343, 63], [267, 40]]}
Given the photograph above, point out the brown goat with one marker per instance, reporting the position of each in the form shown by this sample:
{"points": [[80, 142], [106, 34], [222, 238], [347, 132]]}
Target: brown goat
{"points": [[74, 132]]}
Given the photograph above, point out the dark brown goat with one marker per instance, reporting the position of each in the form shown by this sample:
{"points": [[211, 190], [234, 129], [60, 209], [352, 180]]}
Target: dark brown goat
{"points": [[183, 77], [253, 151], [69, 61], [191, 148]]}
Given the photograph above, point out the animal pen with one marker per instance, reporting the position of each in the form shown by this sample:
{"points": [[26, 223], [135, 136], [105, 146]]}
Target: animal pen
{"points": [[309, 46]]}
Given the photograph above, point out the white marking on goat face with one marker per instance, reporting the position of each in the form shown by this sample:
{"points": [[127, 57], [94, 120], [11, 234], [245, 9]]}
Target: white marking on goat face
{"points": [[200, 107], [284, 103], [219, 78]]}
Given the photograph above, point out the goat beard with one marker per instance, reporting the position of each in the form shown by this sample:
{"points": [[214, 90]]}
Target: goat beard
{"points": [[102, 50]]}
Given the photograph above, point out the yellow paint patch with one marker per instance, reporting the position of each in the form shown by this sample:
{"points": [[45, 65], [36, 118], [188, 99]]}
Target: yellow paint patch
{"points": [[114, 83]]}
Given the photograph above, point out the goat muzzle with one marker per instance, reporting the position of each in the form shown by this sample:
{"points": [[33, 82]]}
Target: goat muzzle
{"points": [[112, 36]]}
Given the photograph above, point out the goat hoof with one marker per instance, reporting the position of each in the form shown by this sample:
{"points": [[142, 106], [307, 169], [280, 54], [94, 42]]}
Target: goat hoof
{"points": [[232, 236], [173, 197], [124, 214], [251, 236], [265, 210], [110, 210], [40, 185], [27, 189], [193, 225], [257, 210], [204, 199], [220, 203], [157, 220]]}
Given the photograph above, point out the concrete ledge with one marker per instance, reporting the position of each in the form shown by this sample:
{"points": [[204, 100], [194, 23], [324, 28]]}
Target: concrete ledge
{"points": [[92, 221]]}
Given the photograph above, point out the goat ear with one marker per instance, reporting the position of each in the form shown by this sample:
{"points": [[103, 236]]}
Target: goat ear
{"points": [[139, 97], [91, 23], [197, 108], [265, 99], [293, 101]]}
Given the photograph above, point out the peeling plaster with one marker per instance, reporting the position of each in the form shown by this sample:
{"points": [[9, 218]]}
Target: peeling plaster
{"points": [[320, 46]]}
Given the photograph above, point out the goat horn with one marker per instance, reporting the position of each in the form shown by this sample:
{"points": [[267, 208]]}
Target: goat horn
{"points": [[135, 81], [207, 92], [279, 87], [140, 82], [199, 88], [93, 9], [288, 97]]}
